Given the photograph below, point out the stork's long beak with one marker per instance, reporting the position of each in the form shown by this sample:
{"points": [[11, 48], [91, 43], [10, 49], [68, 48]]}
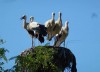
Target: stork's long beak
{"points": [[23, 17]]}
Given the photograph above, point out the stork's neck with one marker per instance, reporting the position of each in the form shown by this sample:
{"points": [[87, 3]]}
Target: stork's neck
{"points": [[31, 19], [66, 27], [53, 17], [25, 24], [59, 18]]}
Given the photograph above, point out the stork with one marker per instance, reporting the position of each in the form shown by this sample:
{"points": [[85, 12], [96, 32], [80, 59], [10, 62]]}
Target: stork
{"points": [[32, 28], [57, 26], [50, 25], [40, 30], [26, 26], [62, 35]]}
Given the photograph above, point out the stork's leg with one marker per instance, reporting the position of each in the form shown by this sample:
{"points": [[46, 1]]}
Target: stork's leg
{"points": [[54, 41], [32, 41], [48, 37], [64, 43]]}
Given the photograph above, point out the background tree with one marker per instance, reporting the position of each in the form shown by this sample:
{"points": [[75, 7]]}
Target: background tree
{"points": [[2, 55]]}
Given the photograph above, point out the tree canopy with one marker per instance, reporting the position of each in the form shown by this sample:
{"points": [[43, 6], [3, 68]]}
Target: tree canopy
{"points": [[2, 55]]}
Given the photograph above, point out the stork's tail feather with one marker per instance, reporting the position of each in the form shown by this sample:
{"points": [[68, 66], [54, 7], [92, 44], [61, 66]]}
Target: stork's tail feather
{"points": [[74, 69], [41, 39]]}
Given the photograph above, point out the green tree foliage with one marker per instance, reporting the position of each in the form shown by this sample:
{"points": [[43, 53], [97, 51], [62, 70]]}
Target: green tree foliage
{"points": [[2, 56], [45, 59]]}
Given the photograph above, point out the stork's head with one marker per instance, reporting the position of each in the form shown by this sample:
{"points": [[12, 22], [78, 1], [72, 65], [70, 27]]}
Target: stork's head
{"points": [[23, 17], [66, 24], [53, 14], [60, 13], [31, 19]]}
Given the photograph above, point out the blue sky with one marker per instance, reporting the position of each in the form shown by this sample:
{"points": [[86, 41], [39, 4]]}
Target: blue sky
{"points": [[84, 23]]}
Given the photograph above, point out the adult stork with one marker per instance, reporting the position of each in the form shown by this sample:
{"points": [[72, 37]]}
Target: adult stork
{"points": [[57, 26], [39, 29], [31, 28], [62, 35], [49, 24], [26, 27]]}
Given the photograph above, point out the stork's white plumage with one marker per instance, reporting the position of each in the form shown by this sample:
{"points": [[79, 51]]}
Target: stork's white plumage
{"points": [[58, 26], [33, 25], [62, 35], [50, 25], [37, 27]]}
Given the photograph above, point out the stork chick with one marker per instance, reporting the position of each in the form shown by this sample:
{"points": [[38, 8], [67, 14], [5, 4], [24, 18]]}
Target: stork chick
{"points": [[57, 26], [62, 35], [50, 25]]}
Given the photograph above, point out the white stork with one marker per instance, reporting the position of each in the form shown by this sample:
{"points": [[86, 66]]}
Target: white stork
{"points": [[40, 30], [62, 35], [50, 25], [37, 27], [32, 28], [26, 26], [58, 26]]}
